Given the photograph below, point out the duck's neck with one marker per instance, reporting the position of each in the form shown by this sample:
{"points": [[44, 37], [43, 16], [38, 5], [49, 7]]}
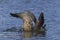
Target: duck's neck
{"points": [[27, 26]]}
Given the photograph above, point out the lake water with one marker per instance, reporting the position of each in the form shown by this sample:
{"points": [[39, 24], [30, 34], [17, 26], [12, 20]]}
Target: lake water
{"points": [[50, 8]]}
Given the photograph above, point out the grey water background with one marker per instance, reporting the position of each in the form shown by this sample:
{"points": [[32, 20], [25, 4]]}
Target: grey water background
{"points": [[50, 8]]}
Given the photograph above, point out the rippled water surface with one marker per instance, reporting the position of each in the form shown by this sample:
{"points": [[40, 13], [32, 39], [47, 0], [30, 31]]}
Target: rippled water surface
{"points": [[50, 8]]}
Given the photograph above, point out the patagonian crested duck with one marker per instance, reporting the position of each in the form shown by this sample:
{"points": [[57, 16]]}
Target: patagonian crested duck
{"points": [[28, 18]]}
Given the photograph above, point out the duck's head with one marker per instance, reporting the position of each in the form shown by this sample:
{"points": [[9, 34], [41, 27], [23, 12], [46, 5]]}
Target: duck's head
{"points": [[18, 15], [27, 15]]}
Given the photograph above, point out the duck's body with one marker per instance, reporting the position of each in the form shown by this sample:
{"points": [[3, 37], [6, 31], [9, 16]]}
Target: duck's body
{"points": [[28, 18]]}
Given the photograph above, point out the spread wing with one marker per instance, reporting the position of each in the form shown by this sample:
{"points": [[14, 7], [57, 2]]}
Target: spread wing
{"points": [[40, 21]]}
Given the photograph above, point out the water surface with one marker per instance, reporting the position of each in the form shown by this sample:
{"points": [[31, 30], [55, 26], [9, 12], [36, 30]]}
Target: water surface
{"points": [[51, 9]]}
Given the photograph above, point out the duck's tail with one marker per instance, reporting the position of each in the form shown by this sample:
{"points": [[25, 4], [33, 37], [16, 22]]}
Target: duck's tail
{"points": [[40, 21]]}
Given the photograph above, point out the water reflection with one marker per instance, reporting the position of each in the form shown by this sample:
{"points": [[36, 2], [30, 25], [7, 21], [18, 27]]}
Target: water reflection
{"points": [[40, 33], [27, 34], [21, 35], [35, 34], [30, 34], [24, 34]]}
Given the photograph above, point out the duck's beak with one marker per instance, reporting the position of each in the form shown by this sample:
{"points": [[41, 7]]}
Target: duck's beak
{"points": [[14, 15], [18, 15]]}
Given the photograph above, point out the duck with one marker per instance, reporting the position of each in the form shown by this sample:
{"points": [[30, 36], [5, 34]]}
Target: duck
{"points": [[28, 19]]}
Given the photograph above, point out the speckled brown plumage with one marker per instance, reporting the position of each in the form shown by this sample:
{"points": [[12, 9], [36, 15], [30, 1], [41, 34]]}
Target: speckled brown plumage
{"points": [[28, 18]]}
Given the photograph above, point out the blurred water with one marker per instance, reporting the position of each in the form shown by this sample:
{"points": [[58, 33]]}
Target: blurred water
{"points": [[51, 9]]}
